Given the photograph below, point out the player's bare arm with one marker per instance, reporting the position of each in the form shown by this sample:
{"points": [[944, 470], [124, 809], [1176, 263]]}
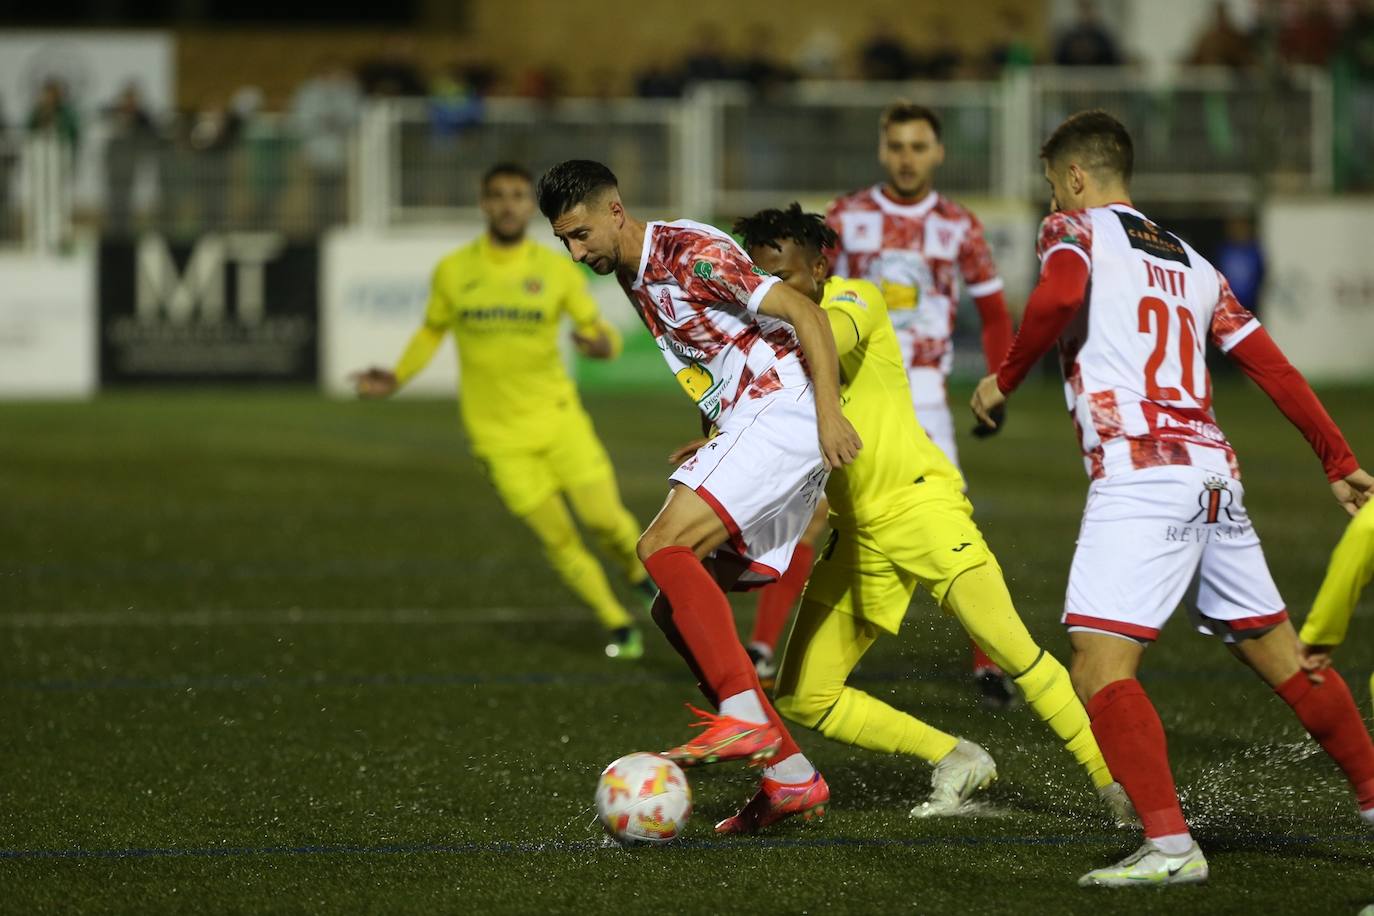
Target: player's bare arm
{"points": [[840, 443]]}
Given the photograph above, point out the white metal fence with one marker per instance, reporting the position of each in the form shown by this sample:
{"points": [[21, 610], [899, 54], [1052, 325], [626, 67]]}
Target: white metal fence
{"points": [[1203, 135]]}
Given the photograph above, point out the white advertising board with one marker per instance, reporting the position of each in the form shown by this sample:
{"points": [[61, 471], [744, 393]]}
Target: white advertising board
{"points": [[1319, 296], [47, 326], [374, 286]]}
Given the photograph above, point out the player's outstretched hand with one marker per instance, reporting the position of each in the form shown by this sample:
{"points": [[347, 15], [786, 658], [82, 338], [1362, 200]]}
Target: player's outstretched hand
{"points": [[840, 442], [594, 344], [1314, 660], [1354, 491], [988, 398], [999, 417], [683, 452], [374, 382]]}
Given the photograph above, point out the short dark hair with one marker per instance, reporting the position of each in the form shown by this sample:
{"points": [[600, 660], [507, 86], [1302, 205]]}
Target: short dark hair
{"points": [[570, 183], [504, 170], [906, 112], [770, 227], [1098, 140]]}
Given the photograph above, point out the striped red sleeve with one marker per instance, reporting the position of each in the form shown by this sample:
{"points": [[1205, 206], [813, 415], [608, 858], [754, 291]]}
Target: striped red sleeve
{"points": [[1262, 360], [1056, 298]]}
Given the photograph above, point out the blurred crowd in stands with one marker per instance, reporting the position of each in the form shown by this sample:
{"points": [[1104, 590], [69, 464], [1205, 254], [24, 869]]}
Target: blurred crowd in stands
{"points": [[193, 150]]}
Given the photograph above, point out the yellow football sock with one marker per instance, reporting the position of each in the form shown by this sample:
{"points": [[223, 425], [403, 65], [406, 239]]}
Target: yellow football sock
{"points": [[866, 721], [1049, 692], [821, 651], [574, 564], [599, 508], [980, 600]]}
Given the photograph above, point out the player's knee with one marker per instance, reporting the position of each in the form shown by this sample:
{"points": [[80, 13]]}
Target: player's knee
{"points": [[804, 707], [1078, 675], [650, 543], [1088, 676]]}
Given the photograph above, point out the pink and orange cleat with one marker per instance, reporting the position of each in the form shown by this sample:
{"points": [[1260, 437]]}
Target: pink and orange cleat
{"points": [[726, 738], [775, 801]]}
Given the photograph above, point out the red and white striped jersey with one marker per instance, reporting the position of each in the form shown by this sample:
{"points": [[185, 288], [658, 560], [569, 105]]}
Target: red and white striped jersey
{"points": [[916, 254], [1133, 357], [699, 294]]}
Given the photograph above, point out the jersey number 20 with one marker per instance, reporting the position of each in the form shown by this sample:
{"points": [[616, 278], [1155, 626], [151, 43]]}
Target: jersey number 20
{"points": [[1188, 352]]}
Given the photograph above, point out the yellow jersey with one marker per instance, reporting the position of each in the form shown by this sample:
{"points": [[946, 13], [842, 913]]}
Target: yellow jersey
{"points": [[876, 399], [505, 307]]}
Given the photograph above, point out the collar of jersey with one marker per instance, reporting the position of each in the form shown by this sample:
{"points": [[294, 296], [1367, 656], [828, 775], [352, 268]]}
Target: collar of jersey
{"points": [[649, 228], [920, 208], [1119, 205], [498, 255]]}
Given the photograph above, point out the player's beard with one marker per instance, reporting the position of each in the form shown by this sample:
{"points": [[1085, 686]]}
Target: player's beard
{"points": [[909, 188], [506, 238]]}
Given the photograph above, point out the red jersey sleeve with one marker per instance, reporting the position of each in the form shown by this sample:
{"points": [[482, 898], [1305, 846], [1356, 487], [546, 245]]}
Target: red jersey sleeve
{"points": [[1052, 305], [1262, 360], [712, 269], [1066, 229], [976, 265]]}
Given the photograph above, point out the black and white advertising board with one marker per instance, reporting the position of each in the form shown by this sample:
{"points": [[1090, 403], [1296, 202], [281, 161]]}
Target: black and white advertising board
{"points": [[228, 307]]}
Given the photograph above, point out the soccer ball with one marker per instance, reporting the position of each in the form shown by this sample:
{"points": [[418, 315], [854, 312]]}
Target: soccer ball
{"points": [[643, 798]]}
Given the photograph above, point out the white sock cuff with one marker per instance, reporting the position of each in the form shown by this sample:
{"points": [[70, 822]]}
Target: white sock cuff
{"points": [[745, 706], [791, 771], [1174, 844]]}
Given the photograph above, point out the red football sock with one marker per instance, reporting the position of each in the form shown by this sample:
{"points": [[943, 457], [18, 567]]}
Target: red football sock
{"points": [[1131, 736], [662, 612], [703, 622], [777, 600], [1328, 712], [703, 618], [981, 661]]}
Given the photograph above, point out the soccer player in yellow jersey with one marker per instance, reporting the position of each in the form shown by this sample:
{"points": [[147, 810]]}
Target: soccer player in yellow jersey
{"points": [[504, 297], [1351, 568], [900, 520]]}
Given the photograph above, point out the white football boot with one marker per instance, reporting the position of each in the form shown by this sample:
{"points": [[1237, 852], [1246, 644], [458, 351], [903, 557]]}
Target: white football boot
{"points": [[959, 774], [1149, 866]]}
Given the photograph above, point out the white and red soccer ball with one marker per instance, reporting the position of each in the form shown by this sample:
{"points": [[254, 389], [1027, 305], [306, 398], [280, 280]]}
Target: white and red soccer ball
{"points": [[643, 798]]}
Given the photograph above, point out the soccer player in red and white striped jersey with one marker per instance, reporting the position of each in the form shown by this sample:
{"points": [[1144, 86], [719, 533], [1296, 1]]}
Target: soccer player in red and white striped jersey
{"points": [[759, 360], [916, 245], [1132, 308]]}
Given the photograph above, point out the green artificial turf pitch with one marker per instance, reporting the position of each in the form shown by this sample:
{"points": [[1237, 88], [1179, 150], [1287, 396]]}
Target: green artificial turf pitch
{"points": [[266, 652]]}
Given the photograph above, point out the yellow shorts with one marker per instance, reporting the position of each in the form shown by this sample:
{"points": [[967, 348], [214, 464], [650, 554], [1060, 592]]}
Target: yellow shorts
{"points": [[871, 571], [526, 479]]}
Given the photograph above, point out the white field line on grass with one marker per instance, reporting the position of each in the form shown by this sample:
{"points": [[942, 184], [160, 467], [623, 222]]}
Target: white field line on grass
{"points": [[233, 617]]}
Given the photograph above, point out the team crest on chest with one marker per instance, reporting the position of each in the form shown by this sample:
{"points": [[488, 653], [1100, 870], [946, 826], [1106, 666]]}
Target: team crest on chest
{"points": [[942, 238], [862, 231], [665, 303], [533, 286]]}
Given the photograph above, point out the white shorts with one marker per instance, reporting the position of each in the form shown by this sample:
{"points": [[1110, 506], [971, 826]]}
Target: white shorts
{"points": [[1148, 536], [932, 408], [763, 474]]}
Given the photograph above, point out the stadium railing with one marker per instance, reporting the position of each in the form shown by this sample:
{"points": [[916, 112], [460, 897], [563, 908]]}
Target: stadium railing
{"points": [[1203, 135]]}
